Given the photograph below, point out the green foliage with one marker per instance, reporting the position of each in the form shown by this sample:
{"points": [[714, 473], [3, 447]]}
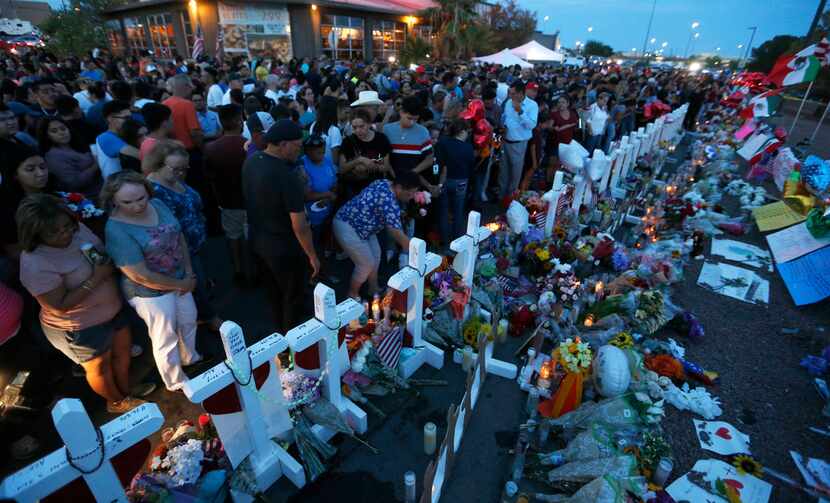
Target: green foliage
{"points": [[78, 28], [512, 25], [415, 50], [460, 32], [596, 48], [765, 55]]}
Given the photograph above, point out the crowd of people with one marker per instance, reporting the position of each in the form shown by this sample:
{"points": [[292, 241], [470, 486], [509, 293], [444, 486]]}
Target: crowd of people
{"points": [[116, 170]]}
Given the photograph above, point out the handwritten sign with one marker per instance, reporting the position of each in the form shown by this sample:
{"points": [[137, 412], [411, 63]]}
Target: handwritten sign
{"points": [[794, 242], [808, 277], [776, 216]]}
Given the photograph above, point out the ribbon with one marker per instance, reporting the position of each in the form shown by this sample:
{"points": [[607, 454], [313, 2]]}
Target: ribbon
{"points": [[226, 401], [796, 195]]}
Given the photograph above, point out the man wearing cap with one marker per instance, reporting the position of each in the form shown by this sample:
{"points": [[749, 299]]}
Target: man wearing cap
{"points": [[279, 233], [519, 117]]}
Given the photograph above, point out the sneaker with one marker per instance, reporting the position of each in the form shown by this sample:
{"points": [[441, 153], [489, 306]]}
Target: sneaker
{"points": [[125, 405], [24, 448], [136, 351], [142, 390]]}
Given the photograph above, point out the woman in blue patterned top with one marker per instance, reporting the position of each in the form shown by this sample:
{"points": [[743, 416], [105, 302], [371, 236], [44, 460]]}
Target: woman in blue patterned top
{"points": [[358, 222], [165, 166]]}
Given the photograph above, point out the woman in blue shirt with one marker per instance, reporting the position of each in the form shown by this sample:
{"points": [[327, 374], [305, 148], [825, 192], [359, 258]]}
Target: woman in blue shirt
{"points": [[320, 188], [165, 166], [358, 222]]}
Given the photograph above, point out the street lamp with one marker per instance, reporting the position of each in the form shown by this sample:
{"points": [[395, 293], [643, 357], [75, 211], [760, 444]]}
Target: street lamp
{"points": [[653, 40], [665, 44], [546, 18], [590, 29], [695, 25]]}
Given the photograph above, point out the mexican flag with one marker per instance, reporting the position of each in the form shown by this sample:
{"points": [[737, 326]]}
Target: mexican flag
{"points": [[763, 105], [801, 67]]}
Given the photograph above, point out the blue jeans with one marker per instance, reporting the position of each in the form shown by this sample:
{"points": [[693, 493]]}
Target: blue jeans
{"points": [[592, 142], [452, 197]]}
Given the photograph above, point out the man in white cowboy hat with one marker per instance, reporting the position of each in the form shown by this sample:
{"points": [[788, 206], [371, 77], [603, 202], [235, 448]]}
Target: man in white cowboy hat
{"points": [[366, 100]]}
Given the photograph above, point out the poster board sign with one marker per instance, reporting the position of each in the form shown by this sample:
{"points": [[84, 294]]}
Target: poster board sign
{"points": [[256, 30]]}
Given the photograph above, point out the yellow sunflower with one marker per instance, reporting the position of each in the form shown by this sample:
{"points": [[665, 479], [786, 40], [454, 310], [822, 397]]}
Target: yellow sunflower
{"points": [[543, 254], [748, 466], [622, 340]]}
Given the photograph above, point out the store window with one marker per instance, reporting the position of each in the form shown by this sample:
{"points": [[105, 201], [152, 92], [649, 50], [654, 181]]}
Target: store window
{"points": [[342, 37], [136, 35], [187, 29], [387, 39], [115, 37], [162, 35], [423, 31]]}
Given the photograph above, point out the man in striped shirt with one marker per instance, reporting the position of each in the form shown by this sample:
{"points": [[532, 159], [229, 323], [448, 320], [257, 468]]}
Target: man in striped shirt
{"points": [[411, 144]]}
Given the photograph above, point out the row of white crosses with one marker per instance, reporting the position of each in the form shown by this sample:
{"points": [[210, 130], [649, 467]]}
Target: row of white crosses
{"points": [[464, 263], [87, 453]]}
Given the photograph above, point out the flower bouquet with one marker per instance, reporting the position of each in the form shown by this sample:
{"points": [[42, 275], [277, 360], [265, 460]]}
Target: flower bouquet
{"points": [[84, 208], [447, 288], [189, 465], [574, 356]]}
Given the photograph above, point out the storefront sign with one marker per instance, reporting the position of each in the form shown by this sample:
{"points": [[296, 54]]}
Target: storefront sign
{"points": [[256, 30]]}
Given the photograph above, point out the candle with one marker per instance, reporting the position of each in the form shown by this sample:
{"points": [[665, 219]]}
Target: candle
{"points": [[589, 320], [544, 376], [409, 487], [599, 290], [493, 226], [662, 472], [501, 332], [376, 308], [430, 434], [467, 358]]}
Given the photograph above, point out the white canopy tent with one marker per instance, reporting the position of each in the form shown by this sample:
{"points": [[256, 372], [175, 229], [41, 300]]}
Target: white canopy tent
{"points": [[504, 58], [534, 51]]}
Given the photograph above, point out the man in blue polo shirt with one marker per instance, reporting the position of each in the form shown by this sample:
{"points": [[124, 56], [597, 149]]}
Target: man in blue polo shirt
{"points": [[109, 145]]}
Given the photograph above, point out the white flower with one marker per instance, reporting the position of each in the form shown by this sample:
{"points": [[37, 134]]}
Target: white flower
{"points": [[642, 397]]}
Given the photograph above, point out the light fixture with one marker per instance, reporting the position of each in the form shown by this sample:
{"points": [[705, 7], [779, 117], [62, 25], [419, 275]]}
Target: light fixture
{"points": [[695, 66], [313, 6], [697, 35], [664, 44], [193, 5], [633, 49], [653, 40], [740, 46], [427, 56], [717, 48], [392, 59], [546, 18], [590, 29], [695, 25]]}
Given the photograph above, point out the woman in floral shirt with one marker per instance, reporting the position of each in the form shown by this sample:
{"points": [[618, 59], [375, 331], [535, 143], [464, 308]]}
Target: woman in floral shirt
{"points": [[166, 166], [358, 222], [146, 243]]}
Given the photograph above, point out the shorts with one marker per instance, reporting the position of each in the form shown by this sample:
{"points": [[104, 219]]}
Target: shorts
{"points": [[83, 345], [234, 223]]}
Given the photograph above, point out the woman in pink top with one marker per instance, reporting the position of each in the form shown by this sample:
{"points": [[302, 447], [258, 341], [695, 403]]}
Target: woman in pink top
{"points": [[157, 118], [81, 310]]}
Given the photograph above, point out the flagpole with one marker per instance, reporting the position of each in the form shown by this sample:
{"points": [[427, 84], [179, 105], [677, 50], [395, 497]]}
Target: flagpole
{"points": [[798, 114], [820, 122]]}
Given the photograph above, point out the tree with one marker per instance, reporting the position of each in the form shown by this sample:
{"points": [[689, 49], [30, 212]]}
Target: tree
{"points": [[511, 25], [415, 50], [448, 19], [596, 48], [764, 57], [77, 28]]}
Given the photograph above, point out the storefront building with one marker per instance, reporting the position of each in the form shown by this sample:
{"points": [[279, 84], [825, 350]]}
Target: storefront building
{"points": [[343, 30]]}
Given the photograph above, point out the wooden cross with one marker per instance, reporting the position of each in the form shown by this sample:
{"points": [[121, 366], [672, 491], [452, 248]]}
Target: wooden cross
{"points": [[249, 433], [552, 197], [91, 454], [329, 318], [466, 248], [411, 279]]}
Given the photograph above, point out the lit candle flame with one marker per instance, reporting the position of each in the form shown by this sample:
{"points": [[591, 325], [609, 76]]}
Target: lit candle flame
{"points": [[493, 226], [599, 286]]}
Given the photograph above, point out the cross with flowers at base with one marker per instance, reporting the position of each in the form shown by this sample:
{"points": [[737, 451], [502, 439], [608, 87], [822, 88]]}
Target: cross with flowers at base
{"points": [[88, 453], [328, 319]]}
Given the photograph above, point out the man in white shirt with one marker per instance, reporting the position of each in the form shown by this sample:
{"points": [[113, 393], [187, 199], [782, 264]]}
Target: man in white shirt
{"points": [[272, 83], [502, 90], [214, 94], [234, 82], [519, 118]]}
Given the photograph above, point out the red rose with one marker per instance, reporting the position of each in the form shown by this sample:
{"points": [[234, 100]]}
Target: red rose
{"points": [[204, 421]]}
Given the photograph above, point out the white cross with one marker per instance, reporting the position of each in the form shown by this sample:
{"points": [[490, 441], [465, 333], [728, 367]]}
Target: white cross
{"points": [[611, 163], [329, 318], [580, 184], [250, 431], [410, 279], [552, 197], [466, 248], [50, 473]]}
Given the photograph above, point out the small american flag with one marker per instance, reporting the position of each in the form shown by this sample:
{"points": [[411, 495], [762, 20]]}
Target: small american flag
{"points": [[389, 349], [220, 42], [198, 43], [564, 202]]}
